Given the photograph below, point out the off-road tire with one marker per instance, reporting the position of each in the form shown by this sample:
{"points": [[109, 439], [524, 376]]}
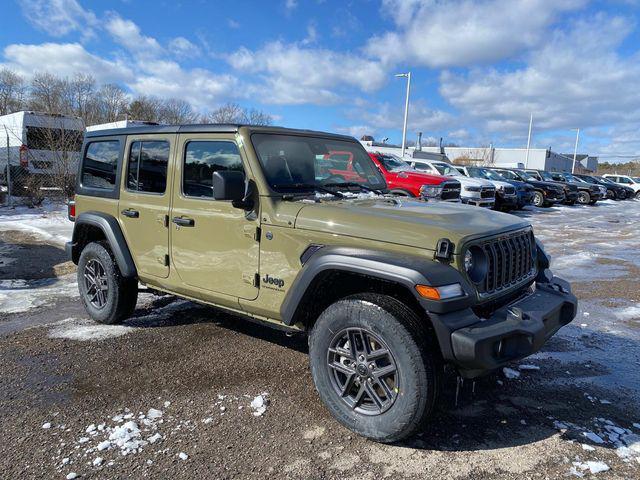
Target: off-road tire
{"points": [[416, 355], [538, 199], [122, 293], [584, 198], [638, 195]]}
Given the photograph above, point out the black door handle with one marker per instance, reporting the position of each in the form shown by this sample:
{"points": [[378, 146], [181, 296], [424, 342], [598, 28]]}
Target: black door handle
{"points": [[131, 213], [184, 222]]}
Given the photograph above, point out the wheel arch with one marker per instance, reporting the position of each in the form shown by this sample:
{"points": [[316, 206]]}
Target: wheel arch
{"points": [[332, 273], [96, 226]]}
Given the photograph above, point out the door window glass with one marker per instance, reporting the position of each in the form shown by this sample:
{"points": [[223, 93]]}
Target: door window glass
{"points": [[202, 159], [100, 165], [147, 166]]}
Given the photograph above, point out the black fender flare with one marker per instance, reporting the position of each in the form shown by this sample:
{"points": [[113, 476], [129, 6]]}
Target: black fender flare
{"points": [[113, 233], [405, 270]]}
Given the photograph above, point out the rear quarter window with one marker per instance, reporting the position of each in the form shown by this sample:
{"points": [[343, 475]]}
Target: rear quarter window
{"points": [[100, 165]]}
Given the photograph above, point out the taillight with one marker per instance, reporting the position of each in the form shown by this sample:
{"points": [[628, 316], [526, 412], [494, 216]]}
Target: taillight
{"points": [[24, 156], [71, 210]]}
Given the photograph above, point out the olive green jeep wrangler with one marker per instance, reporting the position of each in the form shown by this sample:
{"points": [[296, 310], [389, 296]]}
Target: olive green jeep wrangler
{"points": [[257, 221]]}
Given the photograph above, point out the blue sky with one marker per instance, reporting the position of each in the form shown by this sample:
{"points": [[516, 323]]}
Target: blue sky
{"points": [[479, 68]]}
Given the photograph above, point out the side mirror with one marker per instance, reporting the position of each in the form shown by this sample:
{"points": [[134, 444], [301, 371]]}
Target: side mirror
{"points": [[228, 185]]}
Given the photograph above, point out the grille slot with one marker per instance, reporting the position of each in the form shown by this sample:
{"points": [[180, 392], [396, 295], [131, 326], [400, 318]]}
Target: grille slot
{"points": [[450, 190], [509, 191], [487, 192], [509, 261]]}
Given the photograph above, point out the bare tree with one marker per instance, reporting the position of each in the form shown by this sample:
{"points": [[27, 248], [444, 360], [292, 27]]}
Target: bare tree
{"points": [[176, 111], [144, 108], [234, 113], [258, 117], [47, 93], [112, 103], [81, 98], [12, 91]]}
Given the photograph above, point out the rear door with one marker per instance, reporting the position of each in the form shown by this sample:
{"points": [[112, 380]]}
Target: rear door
{"points": [[214, 246], [144, 201]]}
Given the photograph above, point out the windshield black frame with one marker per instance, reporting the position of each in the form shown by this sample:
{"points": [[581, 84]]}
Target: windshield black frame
{"points": [[298, 154]]}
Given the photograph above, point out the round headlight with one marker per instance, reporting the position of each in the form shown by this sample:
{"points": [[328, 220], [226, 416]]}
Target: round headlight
{"points": [[468, 261], [475, 264]]}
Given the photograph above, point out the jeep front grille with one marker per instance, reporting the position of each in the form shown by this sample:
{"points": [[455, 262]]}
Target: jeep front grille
{"points": [[487, 192], [509, 191], [450, 190], [510, 261]]}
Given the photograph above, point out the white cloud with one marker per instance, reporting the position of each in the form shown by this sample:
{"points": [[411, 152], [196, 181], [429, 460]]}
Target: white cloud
{"points": [[232, 23], [385, 116], [127, 34], [464, 32], [312, 34], [357, 131], [63, 59], [59, 17], [576, 79], [181, 47], [293, 74], [290, 5]]}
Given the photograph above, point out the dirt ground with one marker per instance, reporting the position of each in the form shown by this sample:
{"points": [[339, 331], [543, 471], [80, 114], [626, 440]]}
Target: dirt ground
{"points": [[67, 384]]}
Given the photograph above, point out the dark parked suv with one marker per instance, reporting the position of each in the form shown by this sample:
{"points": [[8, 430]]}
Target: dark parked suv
{"points": [[545, 194], [588, 193], [614, 191], [570, 190]]}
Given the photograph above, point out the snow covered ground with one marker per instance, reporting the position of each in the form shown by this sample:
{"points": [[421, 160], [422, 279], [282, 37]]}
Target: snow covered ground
{"points": [[49, 222]]}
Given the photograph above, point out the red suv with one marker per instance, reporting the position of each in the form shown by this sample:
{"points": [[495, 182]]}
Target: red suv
{"points": [[401, 178]]}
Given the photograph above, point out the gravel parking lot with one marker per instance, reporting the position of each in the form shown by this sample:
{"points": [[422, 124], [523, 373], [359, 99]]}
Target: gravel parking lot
{"points": [[185, 391]]}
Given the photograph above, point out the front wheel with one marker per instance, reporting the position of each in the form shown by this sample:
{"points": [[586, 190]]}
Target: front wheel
{"points": [[538, 199], [584, 198], [373, 366], [107, 296], [638, 195]]}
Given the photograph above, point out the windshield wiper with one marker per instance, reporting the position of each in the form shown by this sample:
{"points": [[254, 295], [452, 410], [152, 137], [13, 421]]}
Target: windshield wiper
{"points": [[308, 186], [353, 184]]}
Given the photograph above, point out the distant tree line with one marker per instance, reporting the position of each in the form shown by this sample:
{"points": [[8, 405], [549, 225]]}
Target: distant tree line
{"points": [[95, 103], [628, 168]]}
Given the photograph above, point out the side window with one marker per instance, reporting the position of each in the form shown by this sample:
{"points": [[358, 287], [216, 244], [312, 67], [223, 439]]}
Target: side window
{"points": [[100, 164], [147, 166], [202, 159]]}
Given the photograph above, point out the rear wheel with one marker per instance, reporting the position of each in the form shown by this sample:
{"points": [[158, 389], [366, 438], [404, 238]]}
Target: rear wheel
{"points": [[584, 198], [373, 367], [107, 296]]}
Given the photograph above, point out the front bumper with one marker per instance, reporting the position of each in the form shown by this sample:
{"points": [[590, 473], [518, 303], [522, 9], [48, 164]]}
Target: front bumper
{"points": [[506, 200], [514, 331], [525, 198]]}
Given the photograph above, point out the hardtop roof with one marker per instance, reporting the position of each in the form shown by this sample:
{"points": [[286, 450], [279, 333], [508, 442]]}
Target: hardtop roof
{"points": [[210, 128]]}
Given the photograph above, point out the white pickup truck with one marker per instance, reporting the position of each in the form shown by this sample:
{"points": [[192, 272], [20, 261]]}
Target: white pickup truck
{"points": [[475, 191], [626, 181]]}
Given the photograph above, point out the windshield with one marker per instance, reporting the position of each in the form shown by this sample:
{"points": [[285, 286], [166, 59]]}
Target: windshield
{"points": [[290, 161], [587, 178], [394, 164], [506, 174], [546, 176], [636, 179], [445, 169], [477, 172], [525, 175], [571, 178]]}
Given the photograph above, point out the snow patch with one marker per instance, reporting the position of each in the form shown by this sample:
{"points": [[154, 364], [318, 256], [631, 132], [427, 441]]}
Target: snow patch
{"points": [[84, 330], [259, 404], [510, 373]]}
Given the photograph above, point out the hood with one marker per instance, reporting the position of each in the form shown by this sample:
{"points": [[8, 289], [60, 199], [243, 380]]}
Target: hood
{"points": [[474, 182], [500, 184], [549, 185], [423, 177], [404, 221]]}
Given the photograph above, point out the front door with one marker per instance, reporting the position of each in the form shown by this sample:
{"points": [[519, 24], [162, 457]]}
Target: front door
{"points": [[144, 202], [214, 246]]}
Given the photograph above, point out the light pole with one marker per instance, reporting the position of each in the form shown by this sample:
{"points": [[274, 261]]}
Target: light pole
{"points": [[406, 109], [526, 160], [575, 150]]}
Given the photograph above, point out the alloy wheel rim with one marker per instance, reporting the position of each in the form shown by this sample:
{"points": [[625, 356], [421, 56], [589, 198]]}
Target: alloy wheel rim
{"points": [[363, 371], [95, 281], [582, 197], [537, 199]]}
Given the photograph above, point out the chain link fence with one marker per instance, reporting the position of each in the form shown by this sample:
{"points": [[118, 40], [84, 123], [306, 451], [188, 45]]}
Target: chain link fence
{"points": [[39, 159]]}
